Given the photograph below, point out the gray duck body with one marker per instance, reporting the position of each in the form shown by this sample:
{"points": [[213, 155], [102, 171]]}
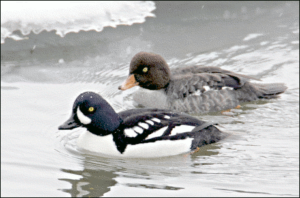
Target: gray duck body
{"points": [[193, 89]]}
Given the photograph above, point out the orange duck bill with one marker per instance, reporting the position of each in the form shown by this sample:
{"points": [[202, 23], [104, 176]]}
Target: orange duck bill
{"points": [[128, 83]]}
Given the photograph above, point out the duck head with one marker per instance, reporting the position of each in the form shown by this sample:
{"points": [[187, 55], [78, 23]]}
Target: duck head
{"points": [[147, 70], [91, 111]]}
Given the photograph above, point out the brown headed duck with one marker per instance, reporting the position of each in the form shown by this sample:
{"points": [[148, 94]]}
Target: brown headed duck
{"points": [[193, 89]]}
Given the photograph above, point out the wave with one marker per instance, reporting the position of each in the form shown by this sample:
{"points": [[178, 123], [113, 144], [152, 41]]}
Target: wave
{"points": [[66, 17]]}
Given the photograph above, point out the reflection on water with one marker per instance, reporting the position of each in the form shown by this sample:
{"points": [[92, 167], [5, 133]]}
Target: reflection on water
{"points": [[93, 183], [100, 173]]}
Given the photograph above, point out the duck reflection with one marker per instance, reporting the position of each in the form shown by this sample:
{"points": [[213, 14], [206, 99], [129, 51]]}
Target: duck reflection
{"points": [[100, 174], [93, 183]]}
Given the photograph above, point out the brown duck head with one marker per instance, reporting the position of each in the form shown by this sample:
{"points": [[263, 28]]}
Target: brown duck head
{"points": [[148, 70]]}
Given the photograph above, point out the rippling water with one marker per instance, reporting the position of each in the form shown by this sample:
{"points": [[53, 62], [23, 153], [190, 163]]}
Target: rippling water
{"points": [[43, 72]]}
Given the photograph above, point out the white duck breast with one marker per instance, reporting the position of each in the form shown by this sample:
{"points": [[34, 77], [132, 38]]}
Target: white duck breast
{"points": [[160, 148], [105, 145], [99, 144]]}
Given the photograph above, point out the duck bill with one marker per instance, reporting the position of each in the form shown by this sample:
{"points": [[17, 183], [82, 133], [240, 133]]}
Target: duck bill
{"points": [[69, 124], [128, 83]]}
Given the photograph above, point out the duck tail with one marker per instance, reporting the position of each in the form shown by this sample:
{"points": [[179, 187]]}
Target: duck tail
{"points": [[270, 90]]}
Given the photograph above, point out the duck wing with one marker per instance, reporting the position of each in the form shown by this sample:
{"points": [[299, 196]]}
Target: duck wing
{"points": [[208, 69], [196, 80], [150, 125]]}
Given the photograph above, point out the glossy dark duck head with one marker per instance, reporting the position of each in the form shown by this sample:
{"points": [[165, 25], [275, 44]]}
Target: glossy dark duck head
{"points": [[93, 112], [147, 70]]}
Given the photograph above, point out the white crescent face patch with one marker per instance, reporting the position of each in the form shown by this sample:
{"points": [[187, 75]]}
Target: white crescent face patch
{"points": [[82, 118]]}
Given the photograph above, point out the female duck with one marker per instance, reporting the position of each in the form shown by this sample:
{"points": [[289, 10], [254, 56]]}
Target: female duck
{"points": [[195, 89], [137, 132]]}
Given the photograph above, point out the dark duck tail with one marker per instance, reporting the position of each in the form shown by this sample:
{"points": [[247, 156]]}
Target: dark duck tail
{"points": [[270, 90]]}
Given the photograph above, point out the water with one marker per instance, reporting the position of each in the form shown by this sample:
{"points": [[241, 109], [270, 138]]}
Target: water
{"points": [[47, 61]]}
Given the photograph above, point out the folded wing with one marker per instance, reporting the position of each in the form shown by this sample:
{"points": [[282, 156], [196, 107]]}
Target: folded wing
{"points": [[196, 80]]}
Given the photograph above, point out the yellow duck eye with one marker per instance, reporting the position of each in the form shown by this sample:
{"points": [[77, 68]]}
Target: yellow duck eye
{"points": [[145, 69], [91, 109]]}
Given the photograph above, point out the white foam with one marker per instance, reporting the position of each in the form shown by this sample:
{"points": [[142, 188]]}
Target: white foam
{"points": [[202, 58], [70, 16], [252, 36], [264, 43], [236, 48]]}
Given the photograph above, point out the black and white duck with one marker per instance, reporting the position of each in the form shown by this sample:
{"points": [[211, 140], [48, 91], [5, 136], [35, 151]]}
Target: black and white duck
{"points": [[137, 132]]}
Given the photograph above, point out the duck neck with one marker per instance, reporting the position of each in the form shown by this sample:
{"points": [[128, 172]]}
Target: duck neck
{"points": [[168, 86], [105, 124]]}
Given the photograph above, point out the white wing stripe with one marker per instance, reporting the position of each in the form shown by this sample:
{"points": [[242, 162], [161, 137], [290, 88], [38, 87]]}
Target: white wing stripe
{"points": [[230, 88], [157, 133], [138, 129], [156, 120], [167, 117], [130, 133], [181, 129], [207, 88], [144, 125], [149, 122]]}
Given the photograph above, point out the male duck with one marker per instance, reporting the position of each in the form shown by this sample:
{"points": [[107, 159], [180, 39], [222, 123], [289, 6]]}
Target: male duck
{"points": [[195, 89], [137, 132]]}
